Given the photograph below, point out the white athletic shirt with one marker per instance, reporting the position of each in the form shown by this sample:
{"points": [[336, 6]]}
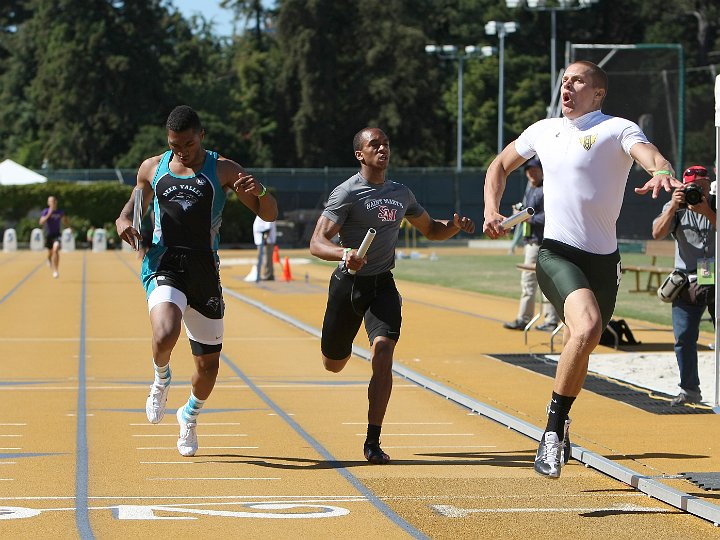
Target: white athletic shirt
{"points": [[586, 163]]}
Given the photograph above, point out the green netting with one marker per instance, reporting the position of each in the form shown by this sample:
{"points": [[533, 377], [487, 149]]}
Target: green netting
{"points": [[646, 85]]}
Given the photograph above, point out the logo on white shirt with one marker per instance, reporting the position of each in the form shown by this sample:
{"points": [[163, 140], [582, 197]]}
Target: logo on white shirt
{"points": [[587, 141]]}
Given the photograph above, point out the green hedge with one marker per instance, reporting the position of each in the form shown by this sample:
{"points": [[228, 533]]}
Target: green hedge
{"points": [[97, 204]]}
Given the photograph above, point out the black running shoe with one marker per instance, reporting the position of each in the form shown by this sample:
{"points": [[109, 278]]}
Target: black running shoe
{"points": [[375, 455]]}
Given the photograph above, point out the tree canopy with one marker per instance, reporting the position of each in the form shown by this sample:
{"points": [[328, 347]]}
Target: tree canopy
{"points": [[89, 83]]}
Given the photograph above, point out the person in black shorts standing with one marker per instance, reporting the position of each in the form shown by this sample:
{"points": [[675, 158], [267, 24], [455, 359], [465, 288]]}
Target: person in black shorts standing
{"points": [[364, 201], [187, 186]]}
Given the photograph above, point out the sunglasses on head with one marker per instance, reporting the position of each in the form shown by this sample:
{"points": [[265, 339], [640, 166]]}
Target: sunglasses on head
{"points": [[702, 173]]}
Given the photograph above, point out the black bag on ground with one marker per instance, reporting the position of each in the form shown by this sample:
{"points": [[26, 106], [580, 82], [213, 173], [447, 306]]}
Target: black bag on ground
{"points": [[617, 332]]}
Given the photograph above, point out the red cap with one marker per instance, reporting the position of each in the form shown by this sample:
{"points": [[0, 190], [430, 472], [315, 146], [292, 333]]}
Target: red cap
{"points": [[693, 172]]}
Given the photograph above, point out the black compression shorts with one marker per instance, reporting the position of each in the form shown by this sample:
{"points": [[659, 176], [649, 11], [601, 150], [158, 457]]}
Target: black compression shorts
{"points": [[352, 299], [562, 269]]}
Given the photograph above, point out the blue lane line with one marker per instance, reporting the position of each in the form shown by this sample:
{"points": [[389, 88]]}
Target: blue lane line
{"points": [[23, 280], [320, 449], [82, 519]]}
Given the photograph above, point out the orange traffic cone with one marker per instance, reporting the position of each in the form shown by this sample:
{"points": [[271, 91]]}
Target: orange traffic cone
{"points": [[287, 275], [276, 255]]}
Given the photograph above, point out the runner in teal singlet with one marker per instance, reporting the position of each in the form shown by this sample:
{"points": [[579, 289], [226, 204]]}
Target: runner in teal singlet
{"points": [[180, 271]]}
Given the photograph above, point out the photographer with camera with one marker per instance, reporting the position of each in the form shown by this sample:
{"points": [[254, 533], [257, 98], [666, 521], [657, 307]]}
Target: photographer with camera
{"points": [[532, 234], [690, 217]]}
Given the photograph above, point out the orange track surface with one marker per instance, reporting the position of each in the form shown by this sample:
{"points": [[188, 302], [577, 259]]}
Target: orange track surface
{"points": [[281, 439]]}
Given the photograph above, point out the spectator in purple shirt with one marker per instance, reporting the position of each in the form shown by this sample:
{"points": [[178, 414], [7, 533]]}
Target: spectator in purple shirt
{"points": [[52, 219]]}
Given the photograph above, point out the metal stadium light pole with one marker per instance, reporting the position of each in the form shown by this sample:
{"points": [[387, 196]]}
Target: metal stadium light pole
{"points": [[716, 407], [560, 5], [453, 52], [501, 29]]}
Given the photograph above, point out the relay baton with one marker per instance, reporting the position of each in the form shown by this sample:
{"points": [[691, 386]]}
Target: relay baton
{"points": [[362, 250], [513, 220], [137, 215]]}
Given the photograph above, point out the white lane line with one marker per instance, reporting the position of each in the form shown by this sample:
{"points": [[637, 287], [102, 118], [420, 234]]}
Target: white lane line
{"points": [[542, 496], [168, 463], [141, 339], [10, 435], [204, 435], [204, 424], [10, 448], [185, 478], [168, 448], [15, 424], [445, 446], [8, 462], [455, 512], [269, 338], [421, 434], [401, 423], [264, 498], [219, 386]]}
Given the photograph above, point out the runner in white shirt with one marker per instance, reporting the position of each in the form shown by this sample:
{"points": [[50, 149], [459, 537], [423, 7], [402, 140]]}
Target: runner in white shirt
{"points": [[586, 157]]}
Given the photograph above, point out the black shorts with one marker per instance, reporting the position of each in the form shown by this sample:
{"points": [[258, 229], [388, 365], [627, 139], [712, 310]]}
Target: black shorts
{"points": [[195, 273], [562, 269], [50, 240], [352, 299]]}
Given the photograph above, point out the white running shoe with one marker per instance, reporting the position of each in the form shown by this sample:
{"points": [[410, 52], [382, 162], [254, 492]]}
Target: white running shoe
{"points": [[566, 447], [155, 404], [187, 443], [547, 460]]}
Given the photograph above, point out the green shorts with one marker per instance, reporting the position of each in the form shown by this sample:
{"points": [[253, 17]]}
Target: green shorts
{"points": [[562, 269]]}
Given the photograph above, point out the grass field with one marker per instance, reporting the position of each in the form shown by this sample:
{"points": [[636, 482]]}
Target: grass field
{"points": [[493, 272]]}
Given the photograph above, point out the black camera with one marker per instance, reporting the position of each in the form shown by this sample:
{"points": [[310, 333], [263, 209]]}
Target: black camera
{"points": [[693, 195]]}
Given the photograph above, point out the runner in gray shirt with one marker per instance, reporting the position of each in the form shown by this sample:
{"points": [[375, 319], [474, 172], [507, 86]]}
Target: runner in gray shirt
{"points": [[367, 200]]}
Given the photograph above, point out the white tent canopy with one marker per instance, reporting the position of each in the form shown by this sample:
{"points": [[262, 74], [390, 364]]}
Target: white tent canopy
{"points": [[12, 173]]}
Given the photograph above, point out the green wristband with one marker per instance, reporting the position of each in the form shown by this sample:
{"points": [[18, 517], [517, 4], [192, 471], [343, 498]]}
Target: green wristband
{"points": [[263, 192], [662, 172]]}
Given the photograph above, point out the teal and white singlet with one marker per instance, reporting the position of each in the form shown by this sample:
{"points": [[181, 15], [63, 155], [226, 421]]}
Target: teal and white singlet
{"points": [[188, 214], [188, 209]]}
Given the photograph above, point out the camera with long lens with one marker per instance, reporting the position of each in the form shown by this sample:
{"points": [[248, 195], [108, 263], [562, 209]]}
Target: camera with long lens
{"points": [[693, 195]]}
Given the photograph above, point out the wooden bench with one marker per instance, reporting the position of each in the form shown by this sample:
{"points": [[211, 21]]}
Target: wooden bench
{"points": [[655, 249]]}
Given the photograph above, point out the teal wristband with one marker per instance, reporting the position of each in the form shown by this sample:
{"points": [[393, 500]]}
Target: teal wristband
{"points": [[662, 172], [263, 192]]}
